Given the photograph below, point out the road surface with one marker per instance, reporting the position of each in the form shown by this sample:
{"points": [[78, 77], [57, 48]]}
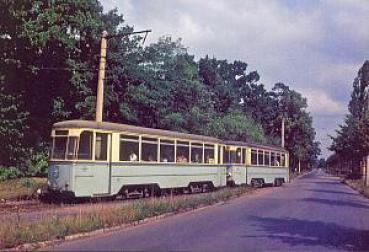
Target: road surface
{"points": [[315, 212]]}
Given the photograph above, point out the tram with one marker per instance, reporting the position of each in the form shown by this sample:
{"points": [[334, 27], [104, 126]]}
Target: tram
{"points": [[102, 159]]}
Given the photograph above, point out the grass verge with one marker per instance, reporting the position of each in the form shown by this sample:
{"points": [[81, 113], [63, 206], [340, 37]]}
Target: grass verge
{"points": [[358, 185], [14, 233], [20, 188]]}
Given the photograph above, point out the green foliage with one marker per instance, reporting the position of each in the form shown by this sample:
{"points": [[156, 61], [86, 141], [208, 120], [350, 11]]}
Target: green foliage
{"points": [[321, 163], [42, 46], [12, 128], [9, 173], [38, 164], [49, 52], [237, 126], [351, 142], [299, 131]]}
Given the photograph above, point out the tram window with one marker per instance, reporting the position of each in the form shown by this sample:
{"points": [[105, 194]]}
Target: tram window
{"points": [[61, 132], [226, 155], [260, 157], [101, 146], [85, 146], [272, 159], [149, 149], [60, 144], [196, 153], [238, 156], [232, 155], [278, 160], [283, 160], [182, 152], [209, 154], [243, 161], [267, 158], [166, 151], [129, 148], [72, 147], [254, 157]]}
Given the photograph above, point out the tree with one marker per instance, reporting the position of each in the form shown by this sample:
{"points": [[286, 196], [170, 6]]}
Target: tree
{"points": [[299, 131], [351, 142], [12, 127], [321, 163], [50, 53], [47, 50]]}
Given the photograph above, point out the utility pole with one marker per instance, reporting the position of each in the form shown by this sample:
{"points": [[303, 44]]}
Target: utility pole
{"points": [[102, 65], [366, 171], [100, 83], [366, 158], [282, 132]]}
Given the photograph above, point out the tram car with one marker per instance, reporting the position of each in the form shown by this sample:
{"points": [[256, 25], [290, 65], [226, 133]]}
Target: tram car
{"points": [[102, 159]]}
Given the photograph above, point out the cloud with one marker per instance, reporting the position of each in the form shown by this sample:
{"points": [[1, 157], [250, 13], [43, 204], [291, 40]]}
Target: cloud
{"points": [[315, 47], [321, 104]]}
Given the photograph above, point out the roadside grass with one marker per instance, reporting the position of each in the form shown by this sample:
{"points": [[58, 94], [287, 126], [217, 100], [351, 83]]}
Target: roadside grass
{"points": [[20, 188], [14, 233], [358, 185]]}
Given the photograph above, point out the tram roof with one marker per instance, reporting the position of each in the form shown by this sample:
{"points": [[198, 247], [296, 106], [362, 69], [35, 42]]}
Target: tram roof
{"points": [[84, 124]]}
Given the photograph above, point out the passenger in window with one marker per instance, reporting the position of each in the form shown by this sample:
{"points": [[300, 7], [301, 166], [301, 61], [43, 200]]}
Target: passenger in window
{"points": [[209, 160], [181, 158], [151, 159], [276, 163], [133, 156], [197, 158]]}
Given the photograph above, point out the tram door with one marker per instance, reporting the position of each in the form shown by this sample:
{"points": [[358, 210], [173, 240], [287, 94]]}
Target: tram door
{"points": [[103, 162]]}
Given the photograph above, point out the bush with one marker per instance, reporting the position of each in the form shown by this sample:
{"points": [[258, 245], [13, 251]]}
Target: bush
{"points": [[38, 164], [9, 173]]}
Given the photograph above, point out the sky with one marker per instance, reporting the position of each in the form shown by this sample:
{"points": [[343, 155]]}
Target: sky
{"points": [[316, 47]]}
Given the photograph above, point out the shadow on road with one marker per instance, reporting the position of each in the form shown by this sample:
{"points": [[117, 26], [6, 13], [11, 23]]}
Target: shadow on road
{"points": [[311, 233], [336, 203], [331, 191]]}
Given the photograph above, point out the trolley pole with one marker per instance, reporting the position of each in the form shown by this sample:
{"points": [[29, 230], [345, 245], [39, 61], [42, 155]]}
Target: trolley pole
{"points": [[100, 83]]}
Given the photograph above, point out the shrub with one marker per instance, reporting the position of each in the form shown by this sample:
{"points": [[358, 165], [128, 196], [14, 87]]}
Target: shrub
{"points": [[38, 164], [9, 173]]}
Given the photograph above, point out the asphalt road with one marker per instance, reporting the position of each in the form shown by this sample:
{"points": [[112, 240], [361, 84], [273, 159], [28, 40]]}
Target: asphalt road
{"points": [[315, 212]]}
